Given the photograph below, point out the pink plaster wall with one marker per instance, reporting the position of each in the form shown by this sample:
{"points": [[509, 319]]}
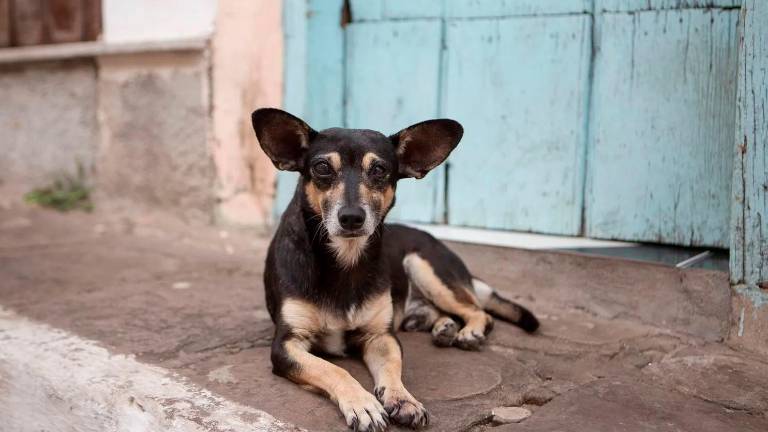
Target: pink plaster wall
{"points": [[247, 62]]}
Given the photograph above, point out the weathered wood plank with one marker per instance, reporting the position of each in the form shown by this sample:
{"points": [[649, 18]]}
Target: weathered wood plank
{"points": [[5, 23], [64, 20], [647, 5], [325, 64], [314, 72], [366, 10], [749, 236], [500, 8], [661, 127], [91, 20], [392, 82], [404, 9], [749, 247], [519, 86], [27, 19]]}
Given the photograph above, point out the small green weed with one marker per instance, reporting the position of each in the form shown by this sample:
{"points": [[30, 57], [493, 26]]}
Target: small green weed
{"points": [[66, 193]]}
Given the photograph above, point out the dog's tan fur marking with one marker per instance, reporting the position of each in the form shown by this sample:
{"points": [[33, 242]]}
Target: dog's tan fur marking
{"points": [[375, 316], [317, 197], [302, 317], [381, 199], [464, 305], [334, 158], [309, 322], [314, 197], [348, 251], [387, 197], [368, 159]]}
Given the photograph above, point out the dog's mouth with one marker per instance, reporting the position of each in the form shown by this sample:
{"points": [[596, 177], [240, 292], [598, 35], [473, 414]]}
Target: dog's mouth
{"points": [[352, 234]]}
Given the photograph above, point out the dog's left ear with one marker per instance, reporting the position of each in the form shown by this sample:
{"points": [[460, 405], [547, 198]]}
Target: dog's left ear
{"points": [[425, 145], [283, 137]]}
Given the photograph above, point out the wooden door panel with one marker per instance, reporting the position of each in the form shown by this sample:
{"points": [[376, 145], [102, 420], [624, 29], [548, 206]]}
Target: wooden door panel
{"points": [[663, 120], [519, 86]]}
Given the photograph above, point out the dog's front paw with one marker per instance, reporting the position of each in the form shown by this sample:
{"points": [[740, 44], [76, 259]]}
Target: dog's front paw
{"points": [[403, 409], [362, 411]]}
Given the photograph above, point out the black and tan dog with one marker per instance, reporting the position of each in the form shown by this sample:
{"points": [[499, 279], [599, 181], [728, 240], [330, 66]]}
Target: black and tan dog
{"points": [[338, 280]]}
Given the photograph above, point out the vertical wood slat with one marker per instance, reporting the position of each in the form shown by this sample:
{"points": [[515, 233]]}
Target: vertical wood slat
{"points": [[27, 22], [91, 20], [63, 20], [35, 22], [5, 23], [749, 235]]}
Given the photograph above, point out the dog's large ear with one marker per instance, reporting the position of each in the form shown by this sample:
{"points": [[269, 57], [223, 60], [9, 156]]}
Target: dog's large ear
{"points": [[425, 145], [283, 137]]}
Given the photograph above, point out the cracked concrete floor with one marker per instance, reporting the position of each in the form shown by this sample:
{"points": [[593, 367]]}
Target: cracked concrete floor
{"points": [[623, 345]]}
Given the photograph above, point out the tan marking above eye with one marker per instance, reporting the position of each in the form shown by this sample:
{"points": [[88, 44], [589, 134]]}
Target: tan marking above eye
{"points": [[334, 159], [368, 159]]}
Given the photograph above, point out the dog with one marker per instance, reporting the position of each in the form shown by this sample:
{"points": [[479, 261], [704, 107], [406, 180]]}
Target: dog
{"points": [[340, 281]]}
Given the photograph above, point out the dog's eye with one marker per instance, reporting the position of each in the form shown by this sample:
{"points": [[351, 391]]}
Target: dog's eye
{"points": [[377, 170], [322, 169]]}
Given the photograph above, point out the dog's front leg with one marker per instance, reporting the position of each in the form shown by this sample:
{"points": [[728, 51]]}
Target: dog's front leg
{"points": [[384, 359], [291, 359]]}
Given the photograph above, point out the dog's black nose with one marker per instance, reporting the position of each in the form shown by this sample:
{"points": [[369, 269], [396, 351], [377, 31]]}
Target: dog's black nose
{"points": [[351, 217]]}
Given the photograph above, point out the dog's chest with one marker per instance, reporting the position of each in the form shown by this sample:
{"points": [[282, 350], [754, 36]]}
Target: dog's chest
{"points": [[328, 329], [335, 327]]}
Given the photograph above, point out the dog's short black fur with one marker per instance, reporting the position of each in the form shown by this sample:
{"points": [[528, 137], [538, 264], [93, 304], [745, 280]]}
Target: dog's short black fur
{"points": [[338, 280]]}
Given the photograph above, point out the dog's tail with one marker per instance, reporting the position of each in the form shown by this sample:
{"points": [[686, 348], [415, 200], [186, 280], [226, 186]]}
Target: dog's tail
{"points": [[504, 309]]}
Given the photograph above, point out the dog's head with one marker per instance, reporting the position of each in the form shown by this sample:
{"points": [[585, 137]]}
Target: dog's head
{"points": [[349, 175]]}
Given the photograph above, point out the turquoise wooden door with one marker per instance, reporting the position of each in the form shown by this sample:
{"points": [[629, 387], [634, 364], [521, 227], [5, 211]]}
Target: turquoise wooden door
{"points": [[662, 125], [605, 118], [393, 75]]}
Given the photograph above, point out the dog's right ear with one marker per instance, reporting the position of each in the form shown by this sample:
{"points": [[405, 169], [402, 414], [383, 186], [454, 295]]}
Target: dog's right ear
{"points": [[283, 137]]}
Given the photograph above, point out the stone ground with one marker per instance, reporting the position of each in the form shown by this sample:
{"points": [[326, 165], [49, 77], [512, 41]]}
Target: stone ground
{"points": [[624, 346]]}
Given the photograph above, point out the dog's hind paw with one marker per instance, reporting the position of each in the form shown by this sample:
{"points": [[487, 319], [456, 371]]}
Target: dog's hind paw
{"points": [[363, 412], [444, 332], [402, 408], [470, 340]]}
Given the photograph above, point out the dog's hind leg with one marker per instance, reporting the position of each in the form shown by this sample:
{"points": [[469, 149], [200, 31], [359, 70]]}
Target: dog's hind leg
{"points": [[453, 300], [420, 313]]}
